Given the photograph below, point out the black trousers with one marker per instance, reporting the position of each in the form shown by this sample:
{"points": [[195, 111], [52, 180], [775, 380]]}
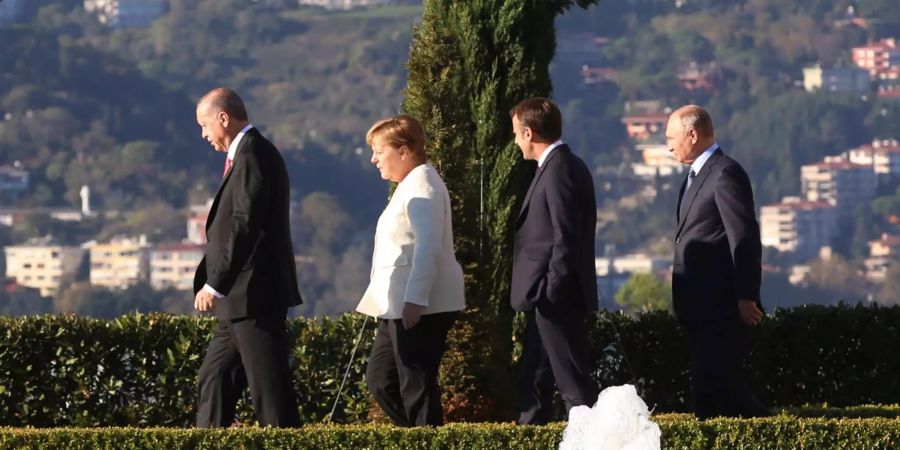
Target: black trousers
{"points": [[556, 352], [717, 352], [402, 373], [247, 352]]}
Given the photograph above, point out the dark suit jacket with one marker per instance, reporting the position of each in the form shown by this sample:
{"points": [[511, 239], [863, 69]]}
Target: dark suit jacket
{"points": [[554, 249], [249, 256], [717, 247]]}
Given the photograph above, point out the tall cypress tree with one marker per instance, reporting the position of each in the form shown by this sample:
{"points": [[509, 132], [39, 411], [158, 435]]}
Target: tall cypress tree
{"points": [[470, 62]]}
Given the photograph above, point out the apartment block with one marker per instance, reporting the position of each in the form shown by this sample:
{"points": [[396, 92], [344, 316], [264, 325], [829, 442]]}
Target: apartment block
{"points": [[126, 13], [173, 265], [120, 263], [42, 264], [839, 182], [798, 226]]}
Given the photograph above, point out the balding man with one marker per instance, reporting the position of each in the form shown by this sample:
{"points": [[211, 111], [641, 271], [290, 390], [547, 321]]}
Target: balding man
{"points": [[248, 275], [717, 267]]}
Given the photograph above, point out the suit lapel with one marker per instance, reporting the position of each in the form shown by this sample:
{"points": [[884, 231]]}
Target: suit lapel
{"points": [[680, 199], [215, 206], [696, 185], [537, 177]]}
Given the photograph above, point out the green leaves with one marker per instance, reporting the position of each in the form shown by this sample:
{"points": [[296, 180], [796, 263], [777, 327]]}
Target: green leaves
{"points": [[678, 431], [141, 370]]}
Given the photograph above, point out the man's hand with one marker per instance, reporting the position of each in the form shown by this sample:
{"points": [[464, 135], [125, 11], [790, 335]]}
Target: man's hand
{"points": [[411, 314], [750, 313], [204, 301]]}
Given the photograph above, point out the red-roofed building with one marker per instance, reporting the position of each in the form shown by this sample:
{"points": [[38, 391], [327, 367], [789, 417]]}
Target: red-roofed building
{"points": [[877, 57], [883, 155], [641, 127]]}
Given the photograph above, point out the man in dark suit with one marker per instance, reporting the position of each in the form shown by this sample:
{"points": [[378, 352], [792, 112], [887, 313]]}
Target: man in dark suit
{"points": [[717, 266], [248, 275], [554, 280]]}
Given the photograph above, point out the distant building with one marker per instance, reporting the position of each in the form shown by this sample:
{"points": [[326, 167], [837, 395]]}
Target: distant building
{"points": [[345, 4], [887, 83], [42, 264], [877, 57], [613, 272], [173, 265], [839, 182], [120, 263], [10, 216], [581, 48], [642, 127], [695, 76], [196, 229], [798, 226], [13, 182], [850, 18], [656, 160], [594, 75], [196, 223], [883, 155], [634, 263], [126, 13], [836, 79], [883, 252]]}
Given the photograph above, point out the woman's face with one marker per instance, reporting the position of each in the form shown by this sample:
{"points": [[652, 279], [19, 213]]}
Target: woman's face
{"points": [[391, 161]]}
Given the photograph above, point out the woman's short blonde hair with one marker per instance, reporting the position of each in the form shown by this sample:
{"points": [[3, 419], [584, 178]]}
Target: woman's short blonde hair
{"points": [[398, 131]]}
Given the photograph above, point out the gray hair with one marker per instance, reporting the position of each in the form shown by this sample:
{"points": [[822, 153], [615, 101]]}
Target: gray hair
{"points": [[693, 117], [224, 99]]}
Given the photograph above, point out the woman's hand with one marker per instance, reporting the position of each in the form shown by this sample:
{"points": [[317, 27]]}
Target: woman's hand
{"points": [[411, 314]]}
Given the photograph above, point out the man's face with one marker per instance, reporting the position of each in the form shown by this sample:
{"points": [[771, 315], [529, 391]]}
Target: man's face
{"points": [[213, 128], [523, 138], [681, 142]]}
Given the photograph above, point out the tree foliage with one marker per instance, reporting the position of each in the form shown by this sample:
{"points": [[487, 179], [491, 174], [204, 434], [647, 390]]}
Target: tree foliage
{"points": [[644, 292]]}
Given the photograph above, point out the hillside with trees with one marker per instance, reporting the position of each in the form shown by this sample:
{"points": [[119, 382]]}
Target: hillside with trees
{"points": [[85, 104]]}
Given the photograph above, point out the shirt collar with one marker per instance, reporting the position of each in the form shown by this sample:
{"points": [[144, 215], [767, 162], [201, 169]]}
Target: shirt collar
{"points": [[701, 160], [232, 149], [548, 150]]}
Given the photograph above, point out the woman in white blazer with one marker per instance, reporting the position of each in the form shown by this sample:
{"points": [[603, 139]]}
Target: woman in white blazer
{"points": [[416, 285]]}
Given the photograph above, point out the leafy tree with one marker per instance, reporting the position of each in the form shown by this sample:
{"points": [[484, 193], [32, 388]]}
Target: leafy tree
{"points": [[470, 62], [643, 293], [837, 280], [86, 300], [19, 301], [889, 293]]}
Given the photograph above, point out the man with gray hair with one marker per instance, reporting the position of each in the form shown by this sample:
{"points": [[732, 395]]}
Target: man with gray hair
{"points": [[717, 268], [247, 276]]}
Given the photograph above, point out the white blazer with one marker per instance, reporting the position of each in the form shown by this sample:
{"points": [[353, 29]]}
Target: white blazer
{"points": [[413, 260]]}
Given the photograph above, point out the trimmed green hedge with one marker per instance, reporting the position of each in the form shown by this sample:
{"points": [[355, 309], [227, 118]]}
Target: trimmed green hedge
{"points": [[839, 355], [141, 370], [677, 432]]}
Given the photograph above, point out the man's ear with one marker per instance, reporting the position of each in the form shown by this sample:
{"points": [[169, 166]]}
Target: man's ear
{"points": [[222, 118]]}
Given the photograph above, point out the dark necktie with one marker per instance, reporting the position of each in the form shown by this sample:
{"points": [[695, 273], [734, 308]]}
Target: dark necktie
{"points": [[687, 187], [691, 176], [228, 164]]}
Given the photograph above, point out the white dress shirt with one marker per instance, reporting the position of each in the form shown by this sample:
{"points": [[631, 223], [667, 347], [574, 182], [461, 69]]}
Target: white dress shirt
{"points": [[549, 150]]}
